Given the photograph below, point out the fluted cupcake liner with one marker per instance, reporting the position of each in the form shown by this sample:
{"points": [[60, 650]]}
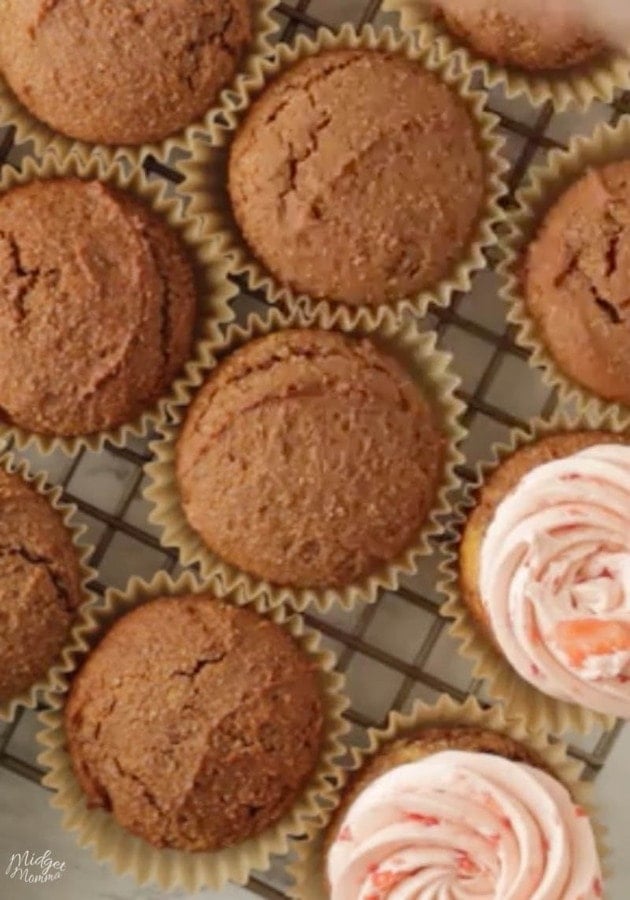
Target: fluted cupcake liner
{"points": [[213, 289], [30, 128], [67, 512], [575, 86], [543, 711], [207, 181], [545, 186], [168, 868], [429, 368], [308, 872]]}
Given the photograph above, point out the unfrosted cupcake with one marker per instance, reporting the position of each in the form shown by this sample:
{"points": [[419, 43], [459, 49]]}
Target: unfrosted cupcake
{"points": [[309, 459], [576, 283], [543, 566], [459, 812], [121, 73], [343, 172], [196, 723], [533, 35], [98, 307], [40, 585]]}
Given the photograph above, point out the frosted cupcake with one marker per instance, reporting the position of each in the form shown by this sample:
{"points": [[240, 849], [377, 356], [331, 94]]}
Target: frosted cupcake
{"points": [[544, 566], [464, 824], [454, 802]]}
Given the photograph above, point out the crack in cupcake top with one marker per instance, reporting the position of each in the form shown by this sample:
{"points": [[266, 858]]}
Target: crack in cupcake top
{"points": [[39, 585], [189, 51], [575, 281], [196, 723], [360, 152], [97, 306]]}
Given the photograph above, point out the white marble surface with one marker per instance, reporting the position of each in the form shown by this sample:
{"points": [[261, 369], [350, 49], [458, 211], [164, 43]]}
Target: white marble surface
{"points": [[612, 796], [28, 822]]}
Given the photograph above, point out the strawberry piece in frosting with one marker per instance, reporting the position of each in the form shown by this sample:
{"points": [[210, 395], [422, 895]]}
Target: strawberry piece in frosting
{"points": [[385, 881], [465, 865], [580, 639], [429, 821]]}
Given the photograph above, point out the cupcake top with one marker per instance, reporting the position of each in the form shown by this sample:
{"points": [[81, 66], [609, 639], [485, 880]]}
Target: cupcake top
{"points": [[75, 65], [554, 577], [576, 282], [343, 173], [98, 307], [197, 724], [309, 459], [40, 585], [534, 35], [464, 824]]}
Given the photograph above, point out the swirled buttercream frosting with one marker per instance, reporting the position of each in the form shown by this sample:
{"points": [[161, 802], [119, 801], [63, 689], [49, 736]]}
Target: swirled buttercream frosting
{"points": [[555, 578], [462, 825]]}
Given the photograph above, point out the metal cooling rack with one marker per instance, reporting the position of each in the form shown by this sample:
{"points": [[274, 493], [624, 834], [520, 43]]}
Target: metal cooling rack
{"points": [[396, 650]]}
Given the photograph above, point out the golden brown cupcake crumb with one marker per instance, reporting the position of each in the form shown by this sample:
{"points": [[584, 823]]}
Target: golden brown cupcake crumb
{"points": [[40, 585], [196, 723], [342, 177], [534, 35], [576, 282], [98, 307], [128, 72], [309, 459]]}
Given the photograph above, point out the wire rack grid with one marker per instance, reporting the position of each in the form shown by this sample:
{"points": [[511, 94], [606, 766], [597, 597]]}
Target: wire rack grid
{"points": [[397, 650]]}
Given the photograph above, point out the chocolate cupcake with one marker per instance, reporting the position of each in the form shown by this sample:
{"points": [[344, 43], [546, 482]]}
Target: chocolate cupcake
{"points": [[196, 723], [192, 736], [309, 459], [534, 36], [99, 307], [123, 73], [360, 152], [542, 562], [576, 286], [566, 53], [40, 585]]}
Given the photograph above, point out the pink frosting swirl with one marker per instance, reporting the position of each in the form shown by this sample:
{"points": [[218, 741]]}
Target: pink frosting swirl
{"points": [[555, 578], [460, 825]]}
